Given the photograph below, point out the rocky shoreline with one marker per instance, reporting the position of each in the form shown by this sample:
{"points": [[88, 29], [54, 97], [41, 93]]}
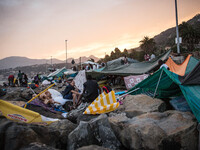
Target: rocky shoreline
{"points": [[140, 123]]}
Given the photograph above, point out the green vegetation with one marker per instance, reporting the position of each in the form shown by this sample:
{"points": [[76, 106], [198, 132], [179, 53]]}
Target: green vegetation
{"points": [[148, 45]]}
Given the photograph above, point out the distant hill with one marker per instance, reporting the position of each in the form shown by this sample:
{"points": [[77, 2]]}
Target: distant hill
{"points": [[17, 61], [167, 37]]}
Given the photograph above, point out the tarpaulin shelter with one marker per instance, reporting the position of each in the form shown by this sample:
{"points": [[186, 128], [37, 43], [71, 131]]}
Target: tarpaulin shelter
{"points": [[164, 84], [57, 73], [89, 62], [193, 78], [184, 68], [118, 62], [136, 68]]}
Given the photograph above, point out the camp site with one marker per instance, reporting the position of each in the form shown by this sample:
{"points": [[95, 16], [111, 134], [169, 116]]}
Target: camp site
{"points": [[141, 96], [100, 75]]}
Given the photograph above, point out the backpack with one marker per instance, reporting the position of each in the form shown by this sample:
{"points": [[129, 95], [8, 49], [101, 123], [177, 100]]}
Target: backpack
{"points": [[107, 89]]}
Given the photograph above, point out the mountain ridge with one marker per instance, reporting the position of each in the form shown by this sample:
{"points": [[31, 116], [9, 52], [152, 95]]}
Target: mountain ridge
{"points": [[20, 61]]}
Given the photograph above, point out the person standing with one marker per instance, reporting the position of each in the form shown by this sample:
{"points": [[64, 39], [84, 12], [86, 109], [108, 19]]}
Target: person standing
{"points": [[152, 56], [20, 77], [11, 80], [125, 60]]}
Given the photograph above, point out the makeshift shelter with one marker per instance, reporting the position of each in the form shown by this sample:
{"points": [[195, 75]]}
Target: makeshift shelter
{"points": [[183, 68], [57, 73], [164, 84], [118, 62], [89, 62], [136, 68]]}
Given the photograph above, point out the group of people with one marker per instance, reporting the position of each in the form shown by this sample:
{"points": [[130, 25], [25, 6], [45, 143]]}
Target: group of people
{"points": [[147, 57], [21, 80], [90, 92]]}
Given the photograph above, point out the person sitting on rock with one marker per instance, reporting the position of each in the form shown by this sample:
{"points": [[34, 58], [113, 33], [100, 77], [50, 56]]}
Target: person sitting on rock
{"points": [[71, 92], [91, 90]]}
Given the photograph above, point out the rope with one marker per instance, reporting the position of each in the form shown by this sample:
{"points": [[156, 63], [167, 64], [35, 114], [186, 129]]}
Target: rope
{"points": [[129, 92], [157, 84], [38, 95]]}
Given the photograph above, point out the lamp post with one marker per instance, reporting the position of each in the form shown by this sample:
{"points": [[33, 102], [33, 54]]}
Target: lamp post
{"points": [[177, 33], [66, 52], [51, 62]]}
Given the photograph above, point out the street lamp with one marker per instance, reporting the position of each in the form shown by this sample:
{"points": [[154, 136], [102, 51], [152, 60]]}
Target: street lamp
{"points": [[177, 33], [66, 52]]}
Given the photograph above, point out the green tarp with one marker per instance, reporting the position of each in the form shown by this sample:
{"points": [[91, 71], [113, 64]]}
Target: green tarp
{"points": [[132, 68], [165, 84], [57, 73]]}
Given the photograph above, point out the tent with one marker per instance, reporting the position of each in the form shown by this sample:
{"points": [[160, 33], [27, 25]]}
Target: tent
{"points": [[57, 73], [69, 72], [136, 68], [165, 84], [118, 62], [89, 62], [193, 78]]}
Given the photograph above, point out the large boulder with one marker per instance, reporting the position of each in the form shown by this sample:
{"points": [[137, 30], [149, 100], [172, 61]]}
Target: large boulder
{"points": [[75, 113], [65, 127], [15, 135], [26, 94], [135, 105], [158, 131], [13, 94], [95, 132], [85, 117], [92, 147]]}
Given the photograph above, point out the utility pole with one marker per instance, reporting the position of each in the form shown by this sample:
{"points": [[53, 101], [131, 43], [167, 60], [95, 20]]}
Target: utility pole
{"points": [[66, 52], [177, 33], [80, 64], [51, 62]]}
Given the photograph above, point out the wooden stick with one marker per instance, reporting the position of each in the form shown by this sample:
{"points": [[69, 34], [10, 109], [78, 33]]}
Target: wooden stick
{"points": [[38, 95]]}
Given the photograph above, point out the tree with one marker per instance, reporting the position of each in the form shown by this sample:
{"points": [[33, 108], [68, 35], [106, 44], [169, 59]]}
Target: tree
{"points": [[190, 36], [148, 44], [125, 52]]}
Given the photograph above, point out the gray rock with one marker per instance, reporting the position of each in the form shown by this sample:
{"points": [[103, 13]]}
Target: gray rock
{"points": [[15, 135], [97, 131], [65, 127], [159, 131], [26, 94], [75, 113], [13, 94], [38, 146], [92, 147], [85, 117], [135, 105]]}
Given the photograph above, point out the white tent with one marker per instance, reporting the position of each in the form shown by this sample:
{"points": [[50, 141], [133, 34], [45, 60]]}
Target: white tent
{"points": [[90, 62], [68, 72]]}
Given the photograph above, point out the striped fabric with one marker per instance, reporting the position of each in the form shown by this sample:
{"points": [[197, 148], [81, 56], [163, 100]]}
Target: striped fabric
{"points": [[102, 104]]}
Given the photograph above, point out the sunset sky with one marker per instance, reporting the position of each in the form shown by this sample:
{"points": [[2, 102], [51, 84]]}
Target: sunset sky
{"points": [[39, 28]]}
